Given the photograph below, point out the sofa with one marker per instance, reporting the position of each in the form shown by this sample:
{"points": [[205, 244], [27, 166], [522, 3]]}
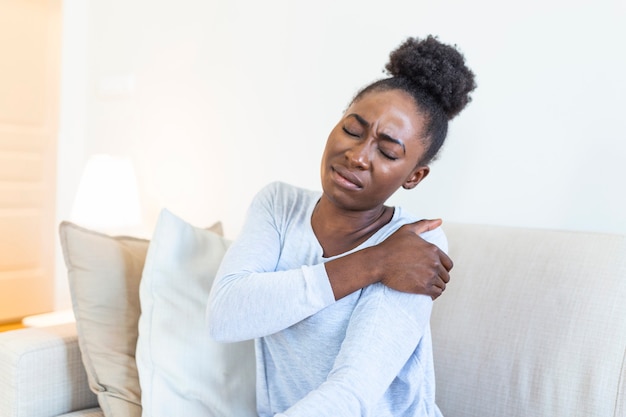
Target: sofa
{"points": [[533, 323]]}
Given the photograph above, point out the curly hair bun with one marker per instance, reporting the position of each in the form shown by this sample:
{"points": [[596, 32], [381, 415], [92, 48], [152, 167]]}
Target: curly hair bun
{"points": [[436, 69]]}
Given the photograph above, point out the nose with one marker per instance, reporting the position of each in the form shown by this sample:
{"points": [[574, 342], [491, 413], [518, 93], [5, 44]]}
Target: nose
{"points": [[359, 155]]}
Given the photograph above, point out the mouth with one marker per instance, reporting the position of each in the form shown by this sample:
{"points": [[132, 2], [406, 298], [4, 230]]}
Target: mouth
{"points": [[346, 178]]}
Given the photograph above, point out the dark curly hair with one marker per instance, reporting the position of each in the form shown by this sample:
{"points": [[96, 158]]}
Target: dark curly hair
{"points": [[436, 77]]}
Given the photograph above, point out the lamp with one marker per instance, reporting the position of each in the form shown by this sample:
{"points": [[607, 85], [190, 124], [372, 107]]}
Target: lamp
{"points": [[107, 200], [107, 197]]}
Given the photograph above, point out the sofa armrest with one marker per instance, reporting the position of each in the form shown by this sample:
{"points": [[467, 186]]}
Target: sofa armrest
{"points": [[41, 373]]}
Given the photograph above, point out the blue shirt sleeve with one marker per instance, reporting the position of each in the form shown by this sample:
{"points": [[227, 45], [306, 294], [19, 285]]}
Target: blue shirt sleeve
{"points": [[384, 332], [247, 291]]}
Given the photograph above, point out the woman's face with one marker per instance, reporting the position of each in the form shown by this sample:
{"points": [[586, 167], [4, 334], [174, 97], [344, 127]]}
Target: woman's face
{"points": [[373, 150]]}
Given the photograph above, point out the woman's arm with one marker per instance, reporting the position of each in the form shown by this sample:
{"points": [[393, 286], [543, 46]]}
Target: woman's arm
{"points": [[250, 299], [384, 331]]}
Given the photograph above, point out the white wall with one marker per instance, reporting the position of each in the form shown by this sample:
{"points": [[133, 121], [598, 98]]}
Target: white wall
{"points": [[226, 95]]}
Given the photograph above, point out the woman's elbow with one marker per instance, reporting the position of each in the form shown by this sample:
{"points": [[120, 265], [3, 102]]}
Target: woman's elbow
{"points": [[216, 321], [218, 330]]}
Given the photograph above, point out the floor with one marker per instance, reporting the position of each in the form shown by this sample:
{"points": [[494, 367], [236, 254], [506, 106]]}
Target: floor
{"points": [[10, 326]]}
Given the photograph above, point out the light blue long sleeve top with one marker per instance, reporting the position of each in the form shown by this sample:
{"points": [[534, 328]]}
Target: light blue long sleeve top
{"points": [[367, 354]]}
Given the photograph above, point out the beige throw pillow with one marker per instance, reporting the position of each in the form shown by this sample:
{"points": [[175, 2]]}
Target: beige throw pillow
{"points": [[104, 274]]}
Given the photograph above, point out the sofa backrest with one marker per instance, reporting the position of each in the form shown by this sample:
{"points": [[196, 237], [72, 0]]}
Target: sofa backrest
{"points": [[533, 323]]}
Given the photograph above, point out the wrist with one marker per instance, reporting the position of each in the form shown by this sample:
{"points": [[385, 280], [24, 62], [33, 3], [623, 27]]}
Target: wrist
{"points": [[372, 265], [353, 272]]}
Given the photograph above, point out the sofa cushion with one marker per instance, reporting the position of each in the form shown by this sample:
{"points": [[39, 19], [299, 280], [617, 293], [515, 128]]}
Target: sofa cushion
{"points": [[533, 323], [183, 372], [104, 274]]}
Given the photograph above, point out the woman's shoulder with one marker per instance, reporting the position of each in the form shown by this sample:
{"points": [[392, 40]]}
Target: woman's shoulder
{"points": [[284, 201], [436, 236], [284, 193]]}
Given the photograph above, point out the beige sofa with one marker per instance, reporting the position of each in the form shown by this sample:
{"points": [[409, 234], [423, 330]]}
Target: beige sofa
{"points": [[532, 324]]}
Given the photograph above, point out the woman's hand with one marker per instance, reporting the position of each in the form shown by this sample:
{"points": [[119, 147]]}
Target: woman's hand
{"points": [[404, 262], [411, 264]]}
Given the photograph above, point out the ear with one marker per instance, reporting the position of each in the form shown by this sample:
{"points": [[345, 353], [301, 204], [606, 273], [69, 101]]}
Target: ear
{"points": [[416, 177]]}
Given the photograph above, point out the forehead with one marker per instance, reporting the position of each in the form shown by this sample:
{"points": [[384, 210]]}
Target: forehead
{"points": [[392, 109]]}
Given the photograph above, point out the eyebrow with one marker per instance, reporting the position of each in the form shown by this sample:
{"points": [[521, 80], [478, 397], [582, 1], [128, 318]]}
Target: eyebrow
{"points": [[383, 136]]}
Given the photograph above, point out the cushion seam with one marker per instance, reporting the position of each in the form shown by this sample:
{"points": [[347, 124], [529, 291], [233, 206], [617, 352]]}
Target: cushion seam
{"points": [[620, 407]]}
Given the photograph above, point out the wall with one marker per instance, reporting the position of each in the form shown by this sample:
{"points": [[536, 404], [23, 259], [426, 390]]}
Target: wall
{"points": [[213, 99]]}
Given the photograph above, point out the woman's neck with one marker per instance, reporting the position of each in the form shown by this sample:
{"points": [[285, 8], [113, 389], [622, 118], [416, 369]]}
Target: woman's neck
{"points": [[339, 230]]}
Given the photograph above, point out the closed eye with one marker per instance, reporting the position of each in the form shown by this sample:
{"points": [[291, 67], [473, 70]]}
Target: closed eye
{"points": [[387, 155], [350, 133]]}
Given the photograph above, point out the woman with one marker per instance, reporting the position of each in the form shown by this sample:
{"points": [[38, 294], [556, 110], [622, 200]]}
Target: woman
{"points": [[326, 282]]}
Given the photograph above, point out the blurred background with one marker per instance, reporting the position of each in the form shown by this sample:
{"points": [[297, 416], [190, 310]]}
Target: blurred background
{"points": [[209, 100]]}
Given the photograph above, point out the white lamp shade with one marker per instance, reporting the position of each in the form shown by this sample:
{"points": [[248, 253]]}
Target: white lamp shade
{"points": [[107, 197]]}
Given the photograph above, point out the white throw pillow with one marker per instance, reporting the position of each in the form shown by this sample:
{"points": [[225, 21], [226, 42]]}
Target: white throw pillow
{"points": [[182, 372]]}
